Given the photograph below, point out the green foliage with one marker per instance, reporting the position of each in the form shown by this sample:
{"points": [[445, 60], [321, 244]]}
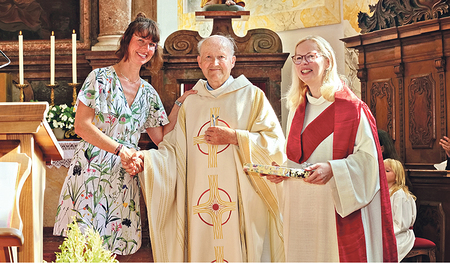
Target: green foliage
{"points": [[61, 116], [83, 248]]}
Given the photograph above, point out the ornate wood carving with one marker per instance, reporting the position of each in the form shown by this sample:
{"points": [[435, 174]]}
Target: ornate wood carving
{"points": [[440, 63], [184, 42], [401, 105], [363, 89], [422, 112], [383, 91], [362, 74], [392, 13], [399, 71], [442, 109]]}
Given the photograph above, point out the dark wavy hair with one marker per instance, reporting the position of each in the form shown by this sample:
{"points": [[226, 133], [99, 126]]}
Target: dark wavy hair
{"points": [[386, 141], [145, 28]]}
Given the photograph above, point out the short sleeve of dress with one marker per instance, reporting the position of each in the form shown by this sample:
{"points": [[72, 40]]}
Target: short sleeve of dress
{"points": [[157, 114], [96, 89]]}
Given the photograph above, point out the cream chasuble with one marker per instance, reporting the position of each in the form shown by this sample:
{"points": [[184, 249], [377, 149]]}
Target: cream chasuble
{"points": [[201, 205]]}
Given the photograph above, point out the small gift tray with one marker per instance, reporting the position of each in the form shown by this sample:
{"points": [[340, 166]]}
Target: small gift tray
{"points": [[277, 170]]}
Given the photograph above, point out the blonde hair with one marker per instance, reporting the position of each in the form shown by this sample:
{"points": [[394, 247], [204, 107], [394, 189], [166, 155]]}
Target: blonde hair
{"points": [[400, 177], [331, 82]]}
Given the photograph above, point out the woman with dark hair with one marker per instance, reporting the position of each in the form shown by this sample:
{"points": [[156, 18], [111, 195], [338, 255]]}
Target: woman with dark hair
{"points": [[387, 145], [114, 107]]}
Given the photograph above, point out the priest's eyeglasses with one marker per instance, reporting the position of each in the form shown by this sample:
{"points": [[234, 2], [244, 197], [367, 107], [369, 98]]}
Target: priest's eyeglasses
{"points": [[309, 57]]}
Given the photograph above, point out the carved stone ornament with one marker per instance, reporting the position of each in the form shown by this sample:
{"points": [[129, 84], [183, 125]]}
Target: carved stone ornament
{"points": [[393, 13]]}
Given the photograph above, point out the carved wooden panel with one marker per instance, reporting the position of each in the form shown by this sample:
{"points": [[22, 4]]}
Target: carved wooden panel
{"points": [[392, 13], [414, 57], [422, 111], [383, 98]]}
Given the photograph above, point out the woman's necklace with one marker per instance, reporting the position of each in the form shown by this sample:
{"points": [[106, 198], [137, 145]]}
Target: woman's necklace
{"points": [[132, 82]]}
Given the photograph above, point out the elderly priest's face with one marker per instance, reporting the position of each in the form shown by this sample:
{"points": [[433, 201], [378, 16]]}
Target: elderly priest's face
{"points": [[216, 61]]}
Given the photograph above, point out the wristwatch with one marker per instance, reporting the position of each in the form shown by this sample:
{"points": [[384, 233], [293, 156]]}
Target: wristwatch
{"points": [[178, 103]]}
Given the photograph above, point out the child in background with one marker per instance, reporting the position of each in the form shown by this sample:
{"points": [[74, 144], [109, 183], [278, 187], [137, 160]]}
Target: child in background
{"points": [[403, 207]]}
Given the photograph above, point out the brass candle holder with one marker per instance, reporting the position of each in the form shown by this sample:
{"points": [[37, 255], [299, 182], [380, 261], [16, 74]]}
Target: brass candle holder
{"points": [[74, 86], [21, 87], [52, 94]]}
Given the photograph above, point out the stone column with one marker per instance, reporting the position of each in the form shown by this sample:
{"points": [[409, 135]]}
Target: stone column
{"points": [[114, 17]]}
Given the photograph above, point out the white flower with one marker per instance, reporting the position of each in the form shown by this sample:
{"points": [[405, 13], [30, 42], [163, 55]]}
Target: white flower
{"points": [[61, 116]]}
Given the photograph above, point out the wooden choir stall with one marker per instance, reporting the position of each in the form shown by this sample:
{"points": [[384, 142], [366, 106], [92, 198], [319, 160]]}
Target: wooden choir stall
{"points": [[404, 74], [23, 130]]}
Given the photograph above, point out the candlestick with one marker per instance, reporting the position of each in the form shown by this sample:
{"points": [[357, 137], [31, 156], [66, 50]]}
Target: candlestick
{"points": [[74, 91], [52, 59], [74, 57], [21, 58], [21, 87], [52, 94]]}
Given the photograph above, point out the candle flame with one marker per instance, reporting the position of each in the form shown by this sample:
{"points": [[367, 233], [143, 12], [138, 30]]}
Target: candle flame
{"points": [[20, 32], [73, 31], [53, 33]]}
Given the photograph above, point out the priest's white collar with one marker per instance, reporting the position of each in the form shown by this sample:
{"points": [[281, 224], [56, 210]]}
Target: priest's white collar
{"points": [[226, 83], [315, 101]]}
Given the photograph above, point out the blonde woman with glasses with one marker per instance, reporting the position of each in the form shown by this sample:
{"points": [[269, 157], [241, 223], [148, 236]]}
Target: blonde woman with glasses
{"points": [[341, 212]]}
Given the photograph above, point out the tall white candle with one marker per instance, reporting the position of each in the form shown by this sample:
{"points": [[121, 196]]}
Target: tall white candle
{"points": [[74, 57], [21, 58], [52, 59]]}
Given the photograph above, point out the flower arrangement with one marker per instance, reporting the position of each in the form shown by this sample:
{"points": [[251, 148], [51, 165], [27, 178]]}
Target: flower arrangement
{"points": [[88, 247], [61, 116]]}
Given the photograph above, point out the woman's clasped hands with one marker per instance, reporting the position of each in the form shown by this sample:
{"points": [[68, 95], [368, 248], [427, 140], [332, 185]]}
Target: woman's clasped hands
{"points": [[134, 164]]}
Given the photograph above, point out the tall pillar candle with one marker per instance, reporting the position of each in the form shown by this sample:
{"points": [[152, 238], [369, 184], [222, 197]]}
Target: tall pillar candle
{"points": [[52, 59], [74, 57], [21, 81]]}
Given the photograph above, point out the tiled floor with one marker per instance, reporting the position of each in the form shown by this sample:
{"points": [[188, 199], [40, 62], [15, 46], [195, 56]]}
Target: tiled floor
{"points": [[51, 245]]}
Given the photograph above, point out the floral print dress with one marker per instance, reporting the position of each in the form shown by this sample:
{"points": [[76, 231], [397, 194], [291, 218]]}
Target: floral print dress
{"points": [[97, 191]]}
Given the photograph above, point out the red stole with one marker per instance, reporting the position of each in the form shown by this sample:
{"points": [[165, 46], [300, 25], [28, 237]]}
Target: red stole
{"points": [[347, 109]]}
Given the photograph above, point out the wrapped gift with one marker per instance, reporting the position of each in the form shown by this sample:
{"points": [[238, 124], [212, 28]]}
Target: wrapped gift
{"points": [[277, 170]]}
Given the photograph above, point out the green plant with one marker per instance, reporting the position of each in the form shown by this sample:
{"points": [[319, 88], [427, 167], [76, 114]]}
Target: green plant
{"points": [[61, 116], [83, 248]]}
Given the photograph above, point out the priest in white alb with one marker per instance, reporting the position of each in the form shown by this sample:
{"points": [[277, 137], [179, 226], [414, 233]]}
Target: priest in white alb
{"points": [[201, 205]]}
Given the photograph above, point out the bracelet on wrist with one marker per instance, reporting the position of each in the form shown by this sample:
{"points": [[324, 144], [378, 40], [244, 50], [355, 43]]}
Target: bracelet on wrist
{"points": [[119, 147], [178, 103]]}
